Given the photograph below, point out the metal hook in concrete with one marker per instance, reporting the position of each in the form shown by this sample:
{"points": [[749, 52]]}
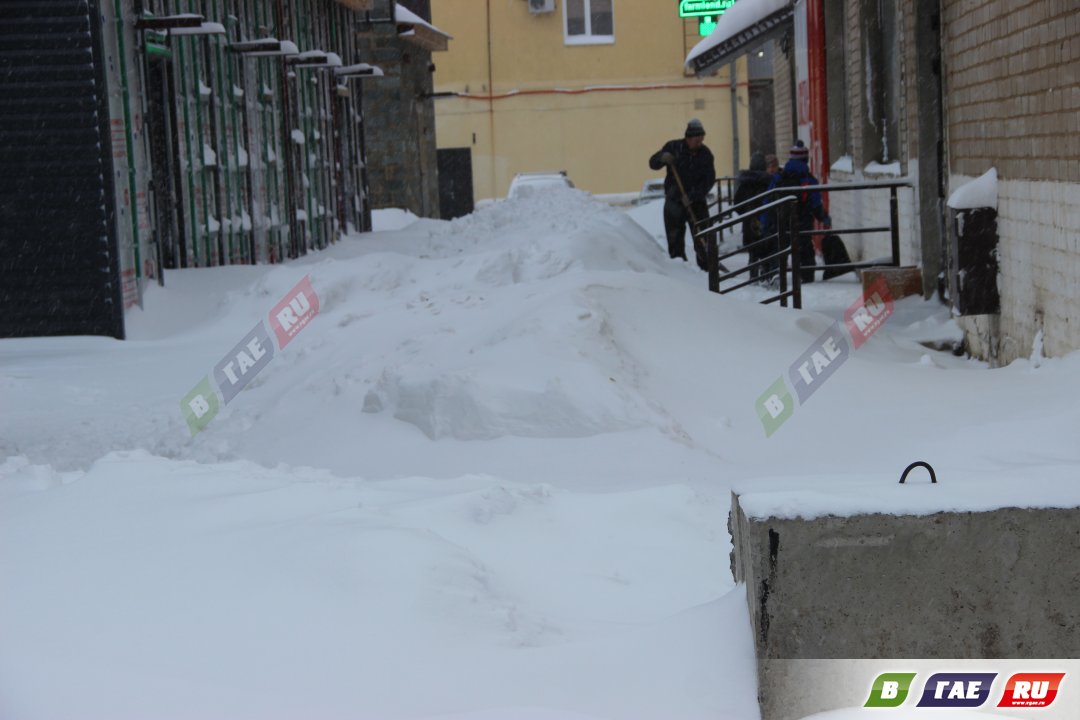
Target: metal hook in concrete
{"points": [[918, 463]]}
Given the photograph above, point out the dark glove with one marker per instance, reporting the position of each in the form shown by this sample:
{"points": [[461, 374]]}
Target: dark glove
{"points": [[667, 158]]}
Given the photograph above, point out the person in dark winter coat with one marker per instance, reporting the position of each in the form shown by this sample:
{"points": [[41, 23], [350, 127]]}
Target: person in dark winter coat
{"points": [[809, 207], [753, 182], [693, 162]]}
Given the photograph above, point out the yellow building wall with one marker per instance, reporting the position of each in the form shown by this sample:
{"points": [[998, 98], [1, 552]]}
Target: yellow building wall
{"points": [[501, 91]]}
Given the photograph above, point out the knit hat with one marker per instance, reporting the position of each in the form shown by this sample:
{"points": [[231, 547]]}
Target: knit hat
{"points": [[757, 162], [799, 151], [694, 128]]}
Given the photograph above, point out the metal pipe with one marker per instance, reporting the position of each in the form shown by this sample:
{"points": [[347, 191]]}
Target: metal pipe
{"points": [[734, 120], [128, 143], [796, 260], [193, 212], [894, 220]]}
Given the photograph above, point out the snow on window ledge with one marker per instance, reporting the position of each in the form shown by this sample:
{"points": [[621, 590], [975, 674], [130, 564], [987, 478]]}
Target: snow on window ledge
{"points": [[589, 39], [843, 164], [876, 168]]}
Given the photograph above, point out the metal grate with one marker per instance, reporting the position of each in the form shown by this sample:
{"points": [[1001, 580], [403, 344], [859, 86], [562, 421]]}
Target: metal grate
{"points": [[59, 268]]}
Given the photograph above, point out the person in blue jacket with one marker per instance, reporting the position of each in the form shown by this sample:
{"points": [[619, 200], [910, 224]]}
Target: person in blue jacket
{"points": [[694, 164], [796, 173]]}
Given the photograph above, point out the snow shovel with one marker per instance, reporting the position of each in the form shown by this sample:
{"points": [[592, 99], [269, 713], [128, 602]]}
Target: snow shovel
{"points": [[686, 204]]}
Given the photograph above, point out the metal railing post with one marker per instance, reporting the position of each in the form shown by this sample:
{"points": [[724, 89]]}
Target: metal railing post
{"points": [[712, 255], [781, 269], [793, 245], [894, 226]]}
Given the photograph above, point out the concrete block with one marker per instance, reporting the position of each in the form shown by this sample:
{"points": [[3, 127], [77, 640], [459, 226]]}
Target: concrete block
{"points": [[901, 281], [960, 585]]}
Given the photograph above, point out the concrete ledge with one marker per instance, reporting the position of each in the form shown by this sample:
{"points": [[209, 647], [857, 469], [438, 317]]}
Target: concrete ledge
{"points": [[995, 584]]}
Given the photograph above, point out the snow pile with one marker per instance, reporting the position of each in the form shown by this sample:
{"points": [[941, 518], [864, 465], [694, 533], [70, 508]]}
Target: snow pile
{"points": [[978, 193], [489, 479]]}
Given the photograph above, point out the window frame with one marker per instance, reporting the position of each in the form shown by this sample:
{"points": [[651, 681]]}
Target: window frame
{"points": [[587, 38]]}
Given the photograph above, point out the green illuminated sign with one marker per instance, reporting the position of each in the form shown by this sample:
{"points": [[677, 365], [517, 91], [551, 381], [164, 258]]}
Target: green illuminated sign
{"points": [[705, 25], [701, 8]]}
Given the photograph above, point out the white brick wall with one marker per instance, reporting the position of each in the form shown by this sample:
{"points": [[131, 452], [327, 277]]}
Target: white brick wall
{"points": [[866, 208], [1039, 246]]}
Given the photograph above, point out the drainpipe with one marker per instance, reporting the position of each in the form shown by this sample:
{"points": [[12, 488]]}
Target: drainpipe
{"points": [[734, 120], [129, 143], [286, 140], [491, 94]]}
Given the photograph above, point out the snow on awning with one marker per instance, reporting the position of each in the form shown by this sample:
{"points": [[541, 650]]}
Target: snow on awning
{"points": [[746, 25], [206, 28], [418, 31], [264, 47], [360, 70], [359, 5]]}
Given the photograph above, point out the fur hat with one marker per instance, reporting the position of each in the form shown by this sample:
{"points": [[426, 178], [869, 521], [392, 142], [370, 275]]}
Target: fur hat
{"points": [[799, 151], [757, 162], [694, 128]]}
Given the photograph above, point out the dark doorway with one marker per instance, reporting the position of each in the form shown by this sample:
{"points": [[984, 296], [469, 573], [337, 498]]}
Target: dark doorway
{"points": [[165, 170], [931, 134], [762, 117], [455, 182]]}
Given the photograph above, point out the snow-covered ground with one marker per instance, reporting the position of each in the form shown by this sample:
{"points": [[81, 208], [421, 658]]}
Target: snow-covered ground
{"points": [[489, 480]]}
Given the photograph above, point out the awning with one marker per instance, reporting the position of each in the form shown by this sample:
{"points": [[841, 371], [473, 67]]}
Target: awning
{"points": [[360, 70], [745, 26], [418, 31]]}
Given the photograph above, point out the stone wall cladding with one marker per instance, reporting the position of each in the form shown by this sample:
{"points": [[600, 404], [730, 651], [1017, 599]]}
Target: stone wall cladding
{"points": [[1013, 88], [400, 117], [1039, 255], [1013, 102]]}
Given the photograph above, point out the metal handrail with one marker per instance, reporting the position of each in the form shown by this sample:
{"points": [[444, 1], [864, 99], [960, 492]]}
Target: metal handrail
{"points": [[785, 195]]}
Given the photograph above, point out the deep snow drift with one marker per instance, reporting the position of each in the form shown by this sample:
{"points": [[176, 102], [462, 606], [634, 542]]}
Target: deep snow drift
{"points": [[490, 479]]}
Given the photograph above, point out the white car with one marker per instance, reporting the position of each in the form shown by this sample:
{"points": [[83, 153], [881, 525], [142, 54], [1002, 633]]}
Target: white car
{"points": [[651, 190], [654, 190], [527, 184]]}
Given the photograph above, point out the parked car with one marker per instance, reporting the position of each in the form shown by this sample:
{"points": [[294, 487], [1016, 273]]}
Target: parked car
{"points": [[526, 184], [651, 190], [654, 190]]}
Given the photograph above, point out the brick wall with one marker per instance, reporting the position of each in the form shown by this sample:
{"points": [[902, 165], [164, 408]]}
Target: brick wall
{"points": [[1013, 102], [1013, 88], [856, 90], [1039, 255], [399, 123], [782, 97]]}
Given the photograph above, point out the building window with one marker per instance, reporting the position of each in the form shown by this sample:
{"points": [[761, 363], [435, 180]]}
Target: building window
{"points": [[589, 22]]}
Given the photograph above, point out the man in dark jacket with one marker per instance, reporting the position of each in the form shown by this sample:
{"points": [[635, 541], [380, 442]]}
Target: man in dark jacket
{"points": [[752, 183], [692, 162], [809, 207]]}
